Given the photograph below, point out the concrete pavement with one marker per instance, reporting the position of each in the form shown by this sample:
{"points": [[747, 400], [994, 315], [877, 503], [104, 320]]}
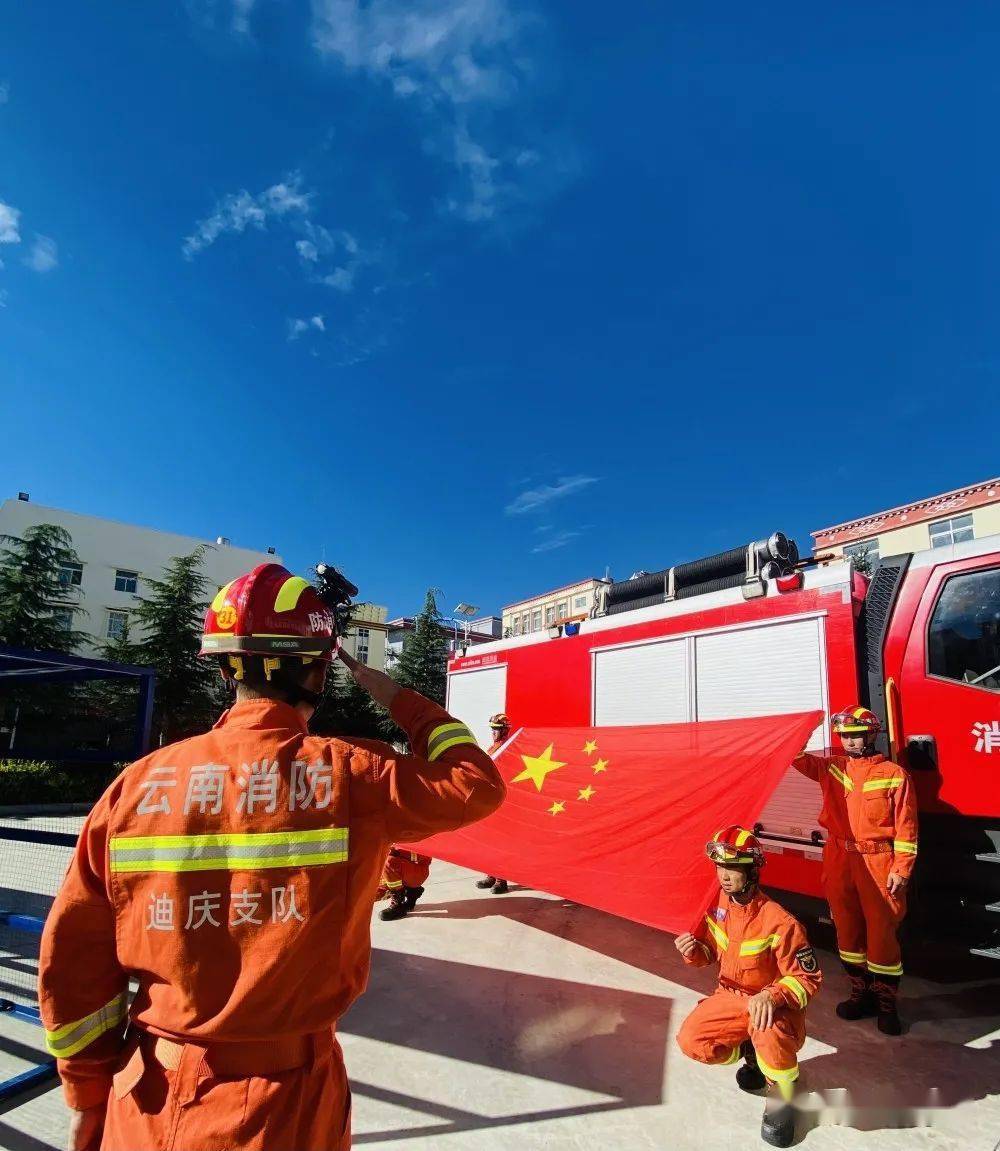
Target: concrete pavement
{"points": [[525, 1022]]}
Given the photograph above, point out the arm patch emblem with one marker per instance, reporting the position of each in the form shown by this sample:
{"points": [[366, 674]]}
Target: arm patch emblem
{"points": [[806, 958]]}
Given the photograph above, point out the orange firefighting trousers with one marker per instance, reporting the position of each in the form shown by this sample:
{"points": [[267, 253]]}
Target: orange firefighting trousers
{"points": [[713, 1032], [865, 915], [193, 1106]]}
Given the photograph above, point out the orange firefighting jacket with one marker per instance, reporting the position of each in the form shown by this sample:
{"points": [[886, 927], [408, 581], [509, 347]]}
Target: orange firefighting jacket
{"points": [[869, 801], [233, 876], [758, 946]]}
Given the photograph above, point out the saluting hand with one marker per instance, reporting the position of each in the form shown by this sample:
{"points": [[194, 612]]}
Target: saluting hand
{"points": [[760, 1008], [382, 688], [686, 944]]}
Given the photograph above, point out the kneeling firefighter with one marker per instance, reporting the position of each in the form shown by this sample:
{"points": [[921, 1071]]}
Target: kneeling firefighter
{"points": [[233, 876], [767, 975], [402, 882]]}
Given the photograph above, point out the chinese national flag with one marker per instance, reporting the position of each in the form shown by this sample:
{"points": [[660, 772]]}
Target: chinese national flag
{"points": [[617, 818]]}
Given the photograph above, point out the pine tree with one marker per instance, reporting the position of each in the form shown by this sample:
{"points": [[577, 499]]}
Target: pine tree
{"points": [[171, 615], [348, 710], [423, 662], [32, 591]]}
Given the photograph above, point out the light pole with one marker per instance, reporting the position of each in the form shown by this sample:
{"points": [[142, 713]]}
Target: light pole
{"points": [[466, 611]]}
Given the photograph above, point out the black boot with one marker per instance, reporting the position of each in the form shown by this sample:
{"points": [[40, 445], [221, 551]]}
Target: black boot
{"points": [[397, 907], [486, 882], [888, 1021], [861, 1003], [778, 1125], [750, 1077], [500, 887], [412, 894]]}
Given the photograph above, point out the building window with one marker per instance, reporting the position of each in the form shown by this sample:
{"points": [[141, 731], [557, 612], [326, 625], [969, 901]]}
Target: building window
{"points": [[63, 617], [536, 619], [126, 581], [361, 648], [71, 575], [563, 609], [550, 616], [954, 531], [117, 624], [525, 623], [580, 603], [864, 553], [963, 641]]}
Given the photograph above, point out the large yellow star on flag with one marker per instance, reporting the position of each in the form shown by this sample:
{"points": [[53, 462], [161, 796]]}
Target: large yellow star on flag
{"points": [[537, 767], [590, 747], [601, 765]]}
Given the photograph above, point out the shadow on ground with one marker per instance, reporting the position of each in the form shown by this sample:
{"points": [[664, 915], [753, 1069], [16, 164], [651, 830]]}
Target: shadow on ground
{"points": [[604, 1041]]}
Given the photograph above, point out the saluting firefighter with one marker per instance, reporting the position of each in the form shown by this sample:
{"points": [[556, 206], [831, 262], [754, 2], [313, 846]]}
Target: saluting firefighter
{"points": [[233, 876], [402, 882], [870, 813], [500, 726], [767, 975]]}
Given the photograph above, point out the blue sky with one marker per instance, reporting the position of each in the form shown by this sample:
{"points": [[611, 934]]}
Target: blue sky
{"points": [[488, 294]]}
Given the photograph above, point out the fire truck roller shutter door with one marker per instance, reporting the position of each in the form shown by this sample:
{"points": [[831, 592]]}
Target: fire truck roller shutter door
{"points": [[474, 696], [642, 683], [772, 669]]}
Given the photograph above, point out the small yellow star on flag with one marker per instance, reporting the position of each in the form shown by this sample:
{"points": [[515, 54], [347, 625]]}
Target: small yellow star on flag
{"points": [[601, 765], [586, 793], [557, 808], [537, 767], [590, 747]]}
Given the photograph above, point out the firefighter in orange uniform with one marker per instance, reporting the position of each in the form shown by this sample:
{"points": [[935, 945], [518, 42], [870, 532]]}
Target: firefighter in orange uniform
{"points": [[500, 726], [233, 876], [870, 812], [767, 975], [403, 879]]}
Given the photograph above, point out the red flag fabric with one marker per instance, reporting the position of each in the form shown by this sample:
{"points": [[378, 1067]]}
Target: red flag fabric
{"points": [[617, 818]]}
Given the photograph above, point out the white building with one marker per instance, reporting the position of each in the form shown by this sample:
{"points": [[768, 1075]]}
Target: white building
{"points": [[365, 638], [115, 557]]}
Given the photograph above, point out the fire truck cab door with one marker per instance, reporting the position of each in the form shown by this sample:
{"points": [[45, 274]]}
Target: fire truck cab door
{"points": [[949, 689]]}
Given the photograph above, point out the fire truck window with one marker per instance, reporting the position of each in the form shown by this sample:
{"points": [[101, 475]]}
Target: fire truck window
{"points": [[963, 643]]}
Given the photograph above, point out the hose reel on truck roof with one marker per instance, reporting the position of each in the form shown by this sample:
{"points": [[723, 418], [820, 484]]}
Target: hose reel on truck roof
{"points": [[749, 567]]}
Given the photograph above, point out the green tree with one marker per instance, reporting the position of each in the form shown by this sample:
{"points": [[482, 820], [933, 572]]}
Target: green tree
{"points": [[33, 595], [864, 559], [171, 616], [423, 662], [348, 710]]}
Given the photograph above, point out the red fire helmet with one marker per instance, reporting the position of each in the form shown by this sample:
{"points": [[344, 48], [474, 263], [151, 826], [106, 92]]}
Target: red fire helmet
{"points": [[735, 845], [269, 612], [499, 720], [856, 721]]}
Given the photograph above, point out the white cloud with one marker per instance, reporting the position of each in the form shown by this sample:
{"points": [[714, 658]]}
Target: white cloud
{"points": [[44, 254], [557, 541], [307, 250], [535, 498], [3, 297], [297, 327], [9, 220], [240, 23], [459, 62], [340, 278], [237, 212]]}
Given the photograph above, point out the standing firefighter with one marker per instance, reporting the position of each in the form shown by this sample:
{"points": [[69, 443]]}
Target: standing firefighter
{"points": [[233, 876], [500, 726], [870, 812], [767, 975]]}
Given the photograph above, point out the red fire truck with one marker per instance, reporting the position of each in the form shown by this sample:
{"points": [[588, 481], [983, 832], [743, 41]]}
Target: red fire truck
{"points": [[753, 632]]}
